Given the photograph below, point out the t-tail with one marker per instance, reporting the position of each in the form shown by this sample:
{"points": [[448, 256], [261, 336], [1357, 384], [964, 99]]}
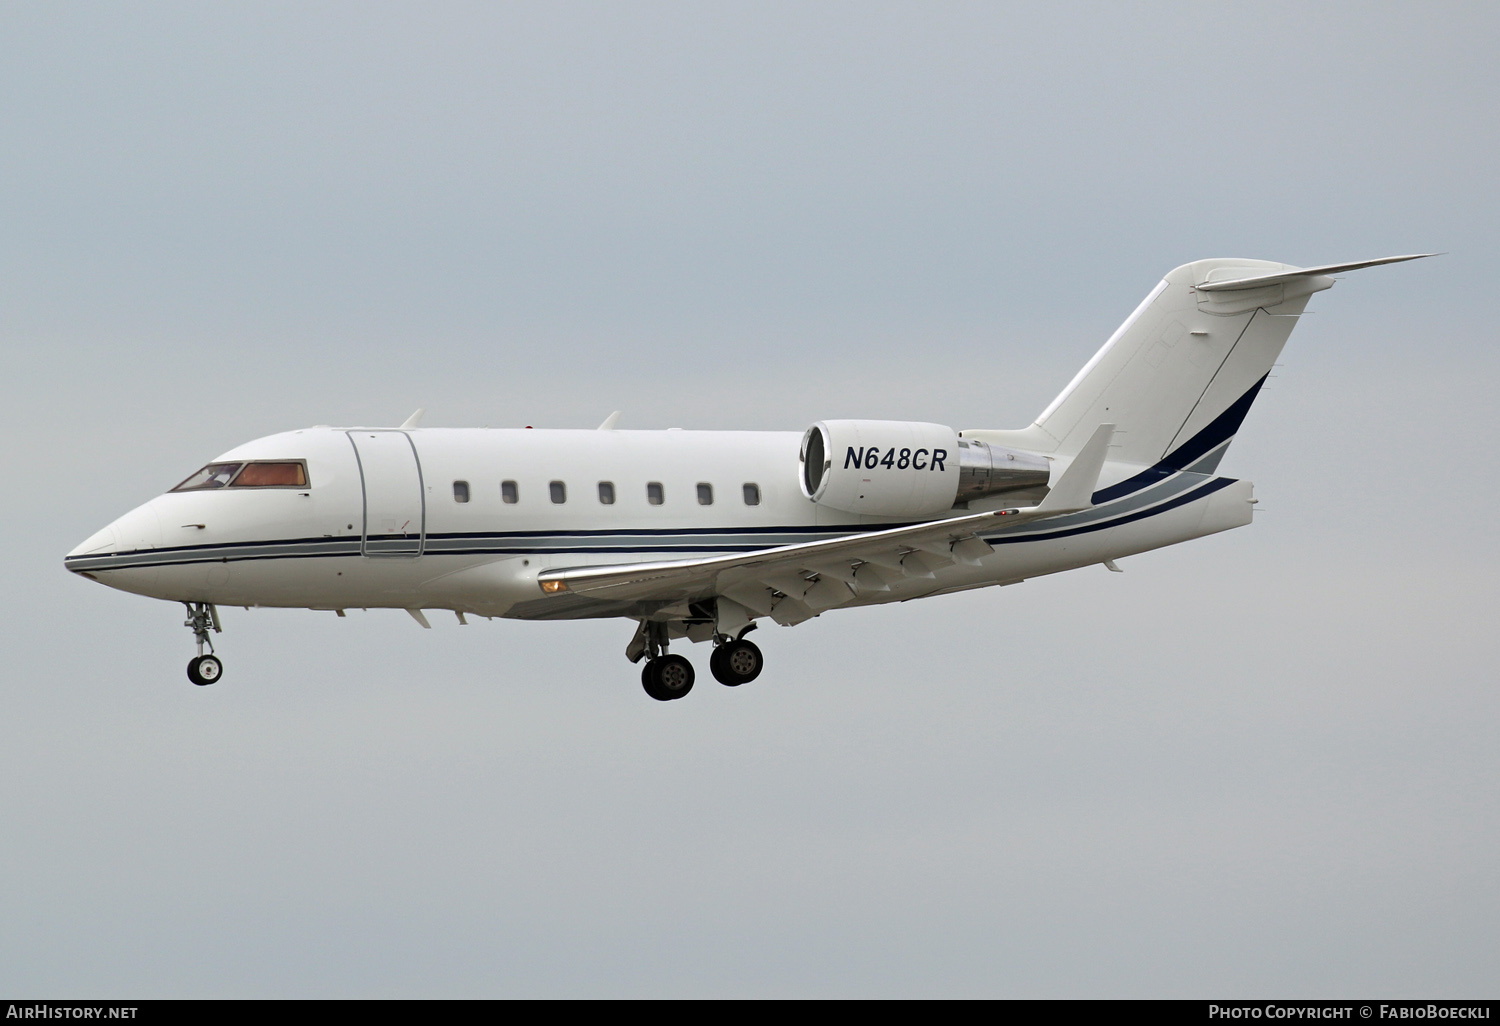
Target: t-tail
{"points": [[1177, 378]]}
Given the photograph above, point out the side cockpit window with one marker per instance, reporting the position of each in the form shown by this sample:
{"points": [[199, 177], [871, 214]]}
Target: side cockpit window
{"points": [[260, 474], [215, 475], [271, 475]]}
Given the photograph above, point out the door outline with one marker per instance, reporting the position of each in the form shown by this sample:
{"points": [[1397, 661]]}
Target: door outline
{"points": [[364, 497]]}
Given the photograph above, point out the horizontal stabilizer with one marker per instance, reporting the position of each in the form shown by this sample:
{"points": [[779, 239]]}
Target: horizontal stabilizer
{"points": [[1263, 280]]}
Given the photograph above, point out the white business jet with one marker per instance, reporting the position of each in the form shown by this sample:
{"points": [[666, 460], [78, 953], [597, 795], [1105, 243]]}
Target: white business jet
{"points": [[699, 534]]}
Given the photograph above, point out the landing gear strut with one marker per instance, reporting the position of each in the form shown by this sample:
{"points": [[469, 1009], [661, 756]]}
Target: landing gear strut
{"points": [[203, 617]]}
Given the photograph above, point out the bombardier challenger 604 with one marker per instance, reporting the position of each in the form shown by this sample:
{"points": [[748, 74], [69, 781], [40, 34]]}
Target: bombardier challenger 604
{"points": [[698, 535]]}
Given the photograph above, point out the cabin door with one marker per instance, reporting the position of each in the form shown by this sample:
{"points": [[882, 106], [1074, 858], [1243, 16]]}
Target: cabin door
{"points": [[395, 510]]}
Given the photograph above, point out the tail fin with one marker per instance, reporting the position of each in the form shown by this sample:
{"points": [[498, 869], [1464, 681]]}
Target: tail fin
{"points": [[1179, 375]]}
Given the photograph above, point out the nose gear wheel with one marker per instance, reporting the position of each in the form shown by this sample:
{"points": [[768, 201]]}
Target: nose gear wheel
{"points": [[204, 670]]}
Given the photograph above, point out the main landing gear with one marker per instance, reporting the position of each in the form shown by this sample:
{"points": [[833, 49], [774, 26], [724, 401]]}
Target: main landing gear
{"points": [[204, 669], [736, 662], [665, 677]]}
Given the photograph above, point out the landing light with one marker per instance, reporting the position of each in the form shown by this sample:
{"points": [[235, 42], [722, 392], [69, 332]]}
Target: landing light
{"points": [[553, 587]]}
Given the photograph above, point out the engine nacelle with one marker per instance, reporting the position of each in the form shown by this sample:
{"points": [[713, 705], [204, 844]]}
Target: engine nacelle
{"points": [[885, 468], [895, 468]]}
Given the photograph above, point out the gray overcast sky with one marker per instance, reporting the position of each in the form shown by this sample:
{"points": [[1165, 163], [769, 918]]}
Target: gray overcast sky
{"points": [[1263, 763]]}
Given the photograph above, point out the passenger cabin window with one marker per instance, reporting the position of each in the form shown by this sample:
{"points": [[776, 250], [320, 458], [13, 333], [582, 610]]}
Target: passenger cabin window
{"points": [[508, 491], [752, 494], [460, 491], [264, 474], [654, 494], [559, 492], [705, 494], [607, 492]]}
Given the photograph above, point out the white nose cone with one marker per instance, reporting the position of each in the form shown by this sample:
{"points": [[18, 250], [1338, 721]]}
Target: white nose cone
{"points": [[136, 530], [100, 541]]}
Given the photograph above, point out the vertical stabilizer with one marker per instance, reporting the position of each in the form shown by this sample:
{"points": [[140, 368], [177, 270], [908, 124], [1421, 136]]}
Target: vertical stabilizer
{"points": [[1179, 362], [1179, 375]]}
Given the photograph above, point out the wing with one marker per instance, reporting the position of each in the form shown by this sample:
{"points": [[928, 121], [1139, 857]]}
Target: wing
{"points": [[792, 583]]}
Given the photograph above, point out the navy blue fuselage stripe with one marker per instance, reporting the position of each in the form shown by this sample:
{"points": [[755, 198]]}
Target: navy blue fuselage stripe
{"points": [[665, 532], [652, 531], [1173, 486], [1181, 500], [1219, 430], [312, 548]]}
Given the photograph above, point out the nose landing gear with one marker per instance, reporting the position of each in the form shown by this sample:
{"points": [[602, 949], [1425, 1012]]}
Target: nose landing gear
{"points": [[204, 669]]}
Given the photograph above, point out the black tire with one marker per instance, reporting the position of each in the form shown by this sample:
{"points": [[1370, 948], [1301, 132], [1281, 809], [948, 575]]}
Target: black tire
{"points": [[667, 678], [736, 662], [721, 672], [648, 681], [205, 670]]}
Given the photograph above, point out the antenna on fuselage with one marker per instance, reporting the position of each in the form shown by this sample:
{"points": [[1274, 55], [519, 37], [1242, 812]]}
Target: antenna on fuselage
{"points": [[610, 421], [411, 422]]}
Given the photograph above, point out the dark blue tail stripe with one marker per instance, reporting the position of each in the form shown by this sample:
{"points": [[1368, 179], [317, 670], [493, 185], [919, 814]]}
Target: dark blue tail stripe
{"points": [[1220, 430]]}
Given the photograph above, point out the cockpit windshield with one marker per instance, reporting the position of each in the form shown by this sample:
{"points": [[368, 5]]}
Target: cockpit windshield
{"points": [[261, 474]]}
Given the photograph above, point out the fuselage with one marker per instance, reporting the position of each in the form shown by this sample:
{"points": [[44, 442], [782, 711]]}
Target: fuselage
{"points": [[465, 519]]}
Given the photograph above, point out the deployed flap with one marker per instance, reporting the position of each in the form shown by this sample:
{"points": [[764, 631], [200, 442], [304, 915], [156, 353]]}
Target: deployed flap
{"points": [[1263, 280]]}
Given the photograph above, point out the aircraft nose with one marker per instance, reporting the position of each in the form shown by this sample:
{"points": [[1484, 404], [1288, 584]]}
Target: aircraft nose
{"points": [[104, 540], [136, 530]]}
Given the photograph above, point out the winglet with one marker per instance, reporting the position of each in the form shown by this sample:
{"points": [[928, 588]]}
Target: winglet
{"points": [[610, 421], [411, 422], [1075, 489]]}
